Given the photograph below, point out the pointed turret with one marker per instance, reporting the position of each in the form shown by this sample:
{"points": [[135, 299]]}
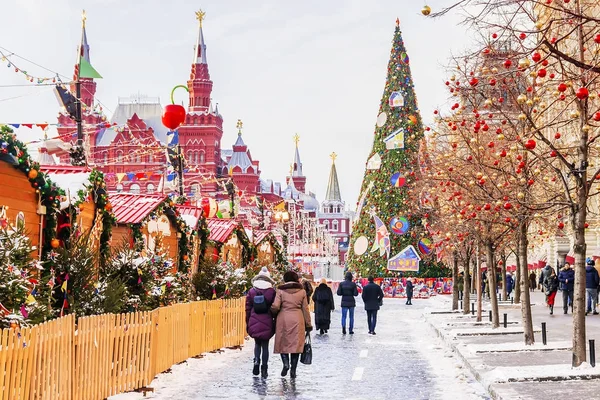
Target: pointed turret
{"points": [[88, 86], [333, 187], [296, 174], [199, 85]]}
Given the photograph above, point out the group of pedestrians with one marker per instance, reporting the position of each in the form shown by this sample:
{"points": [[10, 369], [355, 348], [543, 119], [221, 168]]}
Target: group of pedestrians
{"points": [[283, 313], [565, 281]]}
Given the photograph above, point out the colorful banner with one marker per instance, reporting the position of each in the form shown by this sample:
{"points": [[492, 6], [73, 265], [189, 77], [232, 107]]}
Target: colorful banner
{"points": [[406, 260], [422, 287]]}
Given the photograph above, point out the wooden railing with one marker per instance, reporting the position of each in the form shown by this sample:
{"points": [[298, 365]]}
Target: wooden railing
{"points": [[104, 355]]}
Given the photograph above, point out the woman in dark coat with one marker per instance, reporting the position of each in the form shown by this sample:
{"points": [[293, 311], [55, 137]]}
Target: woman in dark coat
{"points": [[532, 281], [323, 298], [261, 326], [409, 292]]}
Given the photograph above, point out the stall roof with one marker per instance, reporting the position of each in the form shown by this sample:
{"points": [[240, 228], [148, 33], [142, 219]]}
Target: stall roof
{"points": [[259, 236], [132, 208], [190, 214], [221, 229]]}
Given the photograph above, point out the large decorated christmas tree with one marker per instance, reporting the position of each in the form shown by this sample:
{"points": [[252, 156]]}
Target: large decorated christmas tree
{"points": [[388, 233]]}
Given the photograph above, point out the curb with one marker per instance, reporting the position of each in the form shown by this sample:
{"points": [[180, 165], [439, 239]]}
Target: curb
{"points": [[491, 391]]}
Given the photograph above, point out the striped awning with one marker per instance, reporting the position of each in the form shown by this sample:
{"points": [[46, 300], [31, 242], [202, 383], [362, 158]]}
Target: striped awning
{"points": [[221, 229], [65, 169], [132, 208], [259, 236], [190, 214]]}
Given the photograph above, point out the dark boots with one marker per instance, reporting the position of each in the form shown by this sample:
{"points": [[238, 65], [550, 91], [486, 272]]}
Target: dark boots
{"points": [[551, 309], [343, 330], [285, 358], [295, 358], [264, 371], [255, 368]]}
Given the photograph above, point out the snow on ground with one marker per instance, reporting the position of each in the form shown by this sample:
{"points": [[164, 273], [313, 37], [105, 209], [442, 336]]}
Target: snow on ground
{"points": [[534, 372], [518, 346]]}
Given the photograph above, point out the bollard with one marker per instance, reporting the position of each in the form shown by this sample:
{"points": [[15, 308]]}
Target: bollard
{"points": [[490, 315], [512, 300], [472, 308], [544, 338], [505, 320], [461, 307], [592, 353]]}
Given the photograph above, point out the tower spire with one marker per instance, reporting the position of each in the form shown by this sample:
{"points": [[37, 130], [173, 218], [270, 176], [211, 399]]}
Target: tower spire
{"points": [[200, 56], [84, 47], [333, 187], [297, 165]]}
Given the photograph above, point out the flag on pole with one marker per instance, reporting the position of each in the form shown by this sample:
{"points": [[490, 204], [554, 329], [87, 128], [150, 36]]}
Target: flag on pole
{"points": [[86, 70]]}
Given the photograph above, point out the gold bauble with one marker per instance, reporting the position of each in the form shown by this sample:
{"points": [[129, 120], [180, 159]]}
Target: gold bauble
{"points": [[426, 10]]}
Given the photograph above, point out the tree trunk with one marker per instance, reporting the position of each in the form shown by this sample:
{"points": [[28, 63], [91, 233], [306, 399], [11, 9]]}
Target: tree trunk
{"points": [[579, 344], [467, 286], [479, 288], [524, 283], [489, 252], [474, 277], [454, 280], [518, 277]]}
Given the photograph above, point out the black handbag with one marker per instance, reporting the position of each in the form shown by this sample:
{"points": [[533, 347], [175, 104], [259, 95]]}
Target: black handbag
{"points": [[306, 357]]}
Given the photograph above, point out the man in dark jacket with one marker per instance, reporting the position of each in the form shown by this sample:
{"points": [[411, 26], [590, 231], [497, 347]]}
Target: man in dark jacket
{"points": [[372, 295], [347, 289], [567, 282], [409, 292], [591, 285], [544, 274]]}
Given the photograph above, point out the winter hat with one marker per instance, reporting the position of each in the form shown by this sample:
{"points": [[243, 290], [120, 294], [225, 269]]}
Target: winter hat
{"points": [[590, 262], [263, 279]]}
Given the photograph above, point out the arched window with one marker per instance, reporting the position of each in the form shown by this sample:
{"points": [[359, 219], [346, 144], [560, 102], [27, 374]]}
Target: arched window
{"points": [[201, 157], [151, 157], [138, 158], [119, 156], [150, 188], [327, 225], [334, 226], [130, 157], [134, 188], [195, 187], [119, 188], [105, 155]]}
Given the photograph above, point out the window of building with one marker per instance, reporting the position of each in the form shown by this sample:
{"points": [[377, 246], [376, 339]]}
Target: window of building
{"points": [[150, 188], [119, 188], [135, 188], [138, 158], [201, 157], [334, 226], [327, 225], [195, 188], [105, 158], [119, 156], [151, 157]]}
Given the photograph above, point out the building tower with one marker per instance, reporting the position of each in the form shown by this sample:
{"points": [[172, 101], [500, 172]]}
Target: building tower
{"points": [[333, 213], [201, 133], [67, 129], [243, 170], [296, 175]]}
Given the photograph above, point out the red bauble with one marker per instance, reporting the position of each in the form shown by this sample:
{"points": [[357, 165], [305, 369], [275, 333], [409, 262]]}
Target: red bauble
{"points": [[586, 225], [553, 153], [522, 36], [541, 73], [494, 35], [474, 81], [507, 63], [597, 38], [561, 225], [173, 116], [491, 145], [507, 206], [557, 135], [487, 207], [530, 182], [597, 116], [530, 144], [582, 93], [562, 87], [503, 153], [536, 57]]}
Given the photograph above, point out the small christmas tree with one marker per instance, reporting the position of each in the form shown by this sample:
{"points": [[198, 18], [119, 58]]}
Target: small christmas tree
{"points": [[24, 298], [385, 202]]}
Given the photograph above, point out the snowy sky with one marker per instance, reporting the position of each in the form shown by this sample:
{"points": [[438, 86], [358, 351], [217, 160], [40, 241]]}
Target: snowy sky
{"points": [[313, 67]]}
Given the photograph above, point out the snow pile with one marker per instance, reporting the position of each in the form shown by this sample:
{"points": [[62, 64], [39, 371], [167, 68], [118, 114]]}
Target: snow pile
{"points": [[526, 373], [518, 346]]}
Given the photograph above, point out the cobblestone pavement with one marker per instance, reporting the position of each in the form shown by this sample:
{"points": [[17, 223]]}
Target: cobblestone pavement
{"points": [[405, 360]]}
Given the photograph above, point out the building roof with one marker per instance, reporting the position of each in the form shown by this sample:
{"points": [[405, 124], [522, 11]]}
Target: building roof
{"points": [[297, 165], [132, 208], [240, 157], [200, 55], [310, 201], [333, 187], [259, 236], [221, 229], [190, 214], [147, 109]]}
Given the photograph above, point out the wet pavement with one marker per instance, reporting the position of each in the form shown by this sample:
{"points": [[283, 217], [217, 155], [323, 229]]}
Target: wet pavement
{"points": [[401, 362]]}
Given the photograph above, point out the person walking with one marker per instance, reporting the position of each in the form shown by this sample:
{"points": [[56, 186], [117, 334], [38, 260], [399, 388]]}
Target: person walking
{"points": [[324, 305], [592, 280], [510, 283], [372, 296], [260, 324], [566, 277], [307, 285], [551, 287], [292, 321], [545, 273], [409, 291], [348, 290], [460, 284], [532, 281]]}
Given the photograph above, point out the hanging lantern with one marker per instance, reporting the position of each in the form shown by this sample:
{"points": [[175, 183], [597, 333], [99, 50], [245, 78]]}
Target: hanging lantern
{"points": [[174, 114]]}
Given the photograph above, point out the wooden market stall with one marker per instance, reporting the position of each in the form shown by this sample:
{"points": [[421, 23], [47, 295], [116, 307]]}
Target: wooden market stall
{"points": [[268, 246], [228, 242], [193, 218]]}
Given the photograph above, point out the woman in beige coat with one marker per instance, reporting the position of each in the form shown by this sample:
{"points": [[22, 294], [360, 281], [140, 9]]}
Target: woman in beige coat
{"points": [[293, 321]]}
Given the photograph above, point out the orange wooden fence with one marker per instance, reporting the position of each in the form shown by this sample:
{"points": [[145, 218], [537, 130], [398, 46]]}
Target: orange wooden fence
{"points": [[103, 355]]}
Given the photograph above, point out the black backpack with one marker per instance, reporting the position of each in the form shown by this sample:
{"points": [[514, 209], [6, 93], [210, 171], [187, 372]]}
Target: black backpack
{"points": [[260, 305]]}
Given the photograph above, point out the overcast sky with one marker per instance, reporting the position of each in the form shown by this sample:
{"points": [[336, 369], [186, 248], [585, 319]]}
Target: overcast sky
{"points": [[315, 67]]}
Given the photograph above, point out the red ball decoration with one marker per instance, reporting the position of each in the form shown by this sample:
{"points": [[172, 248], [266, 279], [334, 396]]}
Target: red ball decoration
{"points": [[507, 206], [582, 93], [173, 116], [536, 57], [487, 206], [507, 63], [541, 73], [557, 135], [553, 153], [530, 144], [561, 225], [522, 36], [562, 87], [597, 38], [597, 116], [474, 81]]}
